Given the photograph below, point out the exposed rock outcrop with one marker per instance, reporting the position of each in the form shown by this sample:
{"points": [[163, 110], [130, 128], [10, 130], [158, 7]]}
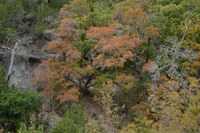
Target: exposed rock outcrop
{"points": [[21, 59]]}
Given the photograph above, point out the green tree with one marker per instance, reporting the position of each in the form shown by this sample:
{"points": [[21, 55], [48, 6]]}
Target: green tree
{"points": [[16, 105], [73, 122]]}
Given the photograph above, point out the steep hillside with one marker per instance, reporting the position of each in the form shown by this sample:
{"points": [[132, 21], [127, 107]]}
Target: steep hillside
{"points": [[102, 66]]}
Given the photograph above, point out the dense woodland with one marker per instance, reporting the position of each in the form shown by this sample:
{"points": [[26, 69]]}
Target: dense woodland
{"points": [[136, 62]]}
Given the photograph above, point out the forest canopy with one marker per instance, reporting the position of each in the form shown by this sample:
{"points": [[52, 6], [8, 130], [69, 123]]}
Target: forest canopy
{"points": [[138, 60]]}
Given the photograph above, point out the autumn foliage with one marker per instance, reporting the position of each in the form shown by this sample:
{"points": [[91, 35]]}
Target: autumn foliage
{"points": [[145, 59], [99, 32], [67, 29], [113, 51]]}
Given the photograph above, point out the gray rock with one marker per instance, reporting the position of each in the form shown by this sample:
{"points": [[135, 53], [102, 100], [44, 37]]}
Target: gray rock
{"points": [[28, 56]]}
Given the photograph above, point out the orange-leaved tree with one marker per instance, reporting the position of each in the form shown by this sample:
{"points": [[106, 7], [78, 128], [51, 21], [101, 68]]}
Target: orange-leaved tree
{"points": [[65, 75], [111, 51], [77, 67]]}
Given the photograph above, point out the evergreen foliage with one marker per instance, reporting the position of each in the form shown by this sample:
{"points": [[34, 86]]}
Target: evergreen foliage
{"points": [[73, 121], [16, 105]]}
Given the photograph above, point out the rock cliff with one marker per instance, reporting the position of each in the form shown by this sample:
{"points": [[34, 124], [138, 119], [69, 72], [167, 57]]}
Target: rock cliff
{"points": [[21, 56]]}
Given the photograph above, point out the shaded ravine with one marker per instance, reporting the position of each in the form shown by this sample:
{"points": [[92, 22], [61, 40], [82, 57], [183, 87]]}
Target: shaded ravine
{"points": [[93, 111]]}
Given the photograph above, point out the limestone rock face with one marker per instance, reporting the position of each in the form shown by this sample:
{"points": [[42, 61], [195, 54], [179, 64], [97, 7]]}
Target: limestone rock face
{"points": [[28, 55]]}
